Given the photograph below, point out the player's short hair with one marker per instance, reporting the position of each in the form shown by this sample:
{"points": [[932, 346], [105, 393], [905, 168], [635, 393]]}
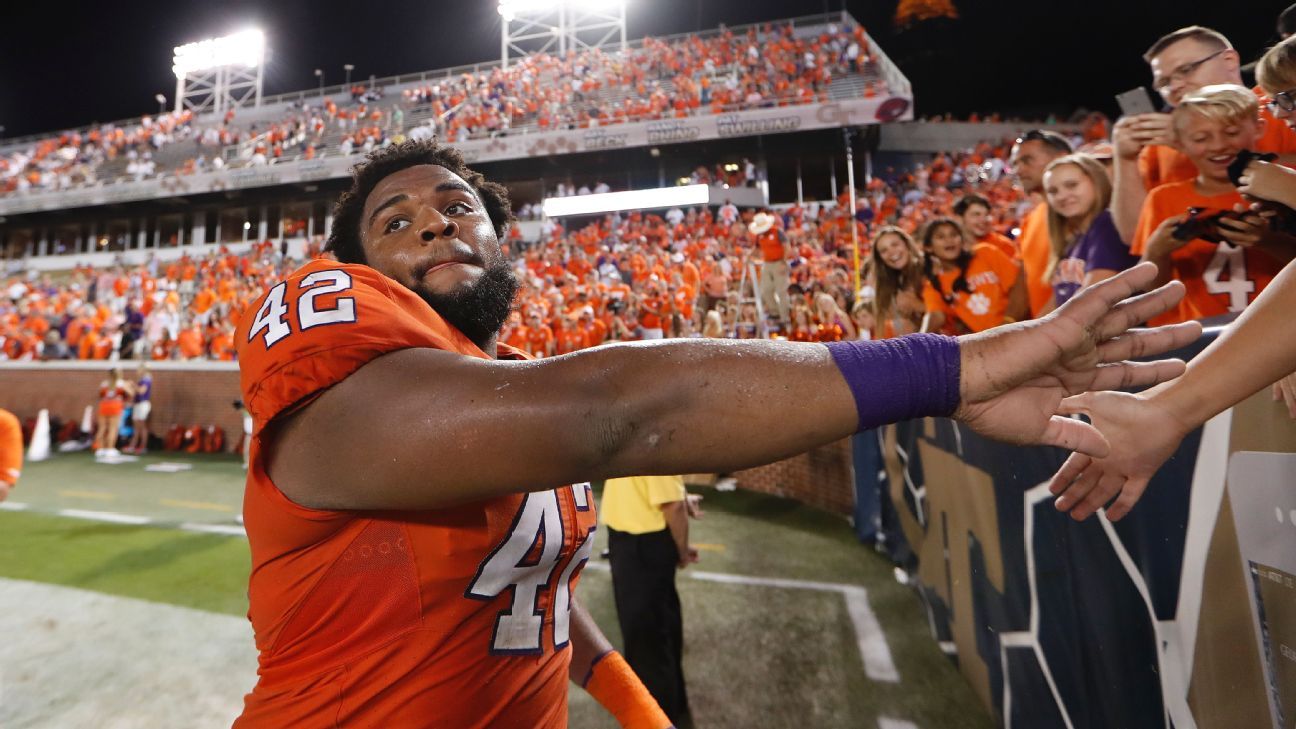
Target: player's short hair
{"points": [[1224, 103], [967, 201], [344, 239], [1276, 69], [1206, 36]]}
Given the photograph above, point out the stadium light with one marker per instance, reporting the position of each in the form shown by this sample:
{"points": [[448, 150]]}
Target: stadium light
{"points": [[559, 26], [610, 202], [511, 9], [246, 48]]}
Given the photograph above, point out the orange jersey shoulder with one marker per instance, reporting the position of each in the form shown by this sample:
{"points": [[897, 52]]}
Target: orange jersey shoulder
{"points": [[322, 323]]}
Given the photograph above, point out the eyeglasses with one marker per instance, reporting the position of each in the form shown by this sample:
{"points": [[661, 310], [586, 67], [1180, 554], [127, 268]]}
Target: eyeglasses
{"points": [[1183, 72], [1284, 100]]}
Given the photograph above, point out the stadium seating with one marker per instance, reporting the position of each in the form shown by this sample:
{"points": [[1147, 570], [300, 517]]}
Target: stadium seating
{"points": [[715, 72], [188, 308]]}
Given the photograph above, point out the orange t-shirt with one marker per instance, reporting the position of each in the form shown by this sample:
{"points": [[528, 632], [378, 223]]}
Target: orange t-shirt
{"points": [[1035, 247], [11, 448], [990, 278], [770, 245], [1159, 164], [1005, 244], [190, 342], [571, 339], [1220, 277], [456, 616], [538, 340], [203, 300]]}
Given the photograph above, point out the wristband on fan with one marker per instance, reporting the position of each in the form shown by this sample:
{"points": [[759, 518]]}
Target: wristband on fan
{"points": [[900, 379], [614, 684]]}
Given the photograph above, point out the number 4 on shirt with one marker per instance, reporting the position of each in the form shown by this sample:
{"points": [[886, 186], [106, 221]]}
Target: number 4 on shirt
{"points": [[273, 314], [1227, 274]]}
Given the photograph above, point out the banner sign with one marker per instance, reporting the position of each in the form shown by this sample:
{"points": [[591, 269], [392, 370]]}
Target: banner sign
{"points": [[1181, 615]]}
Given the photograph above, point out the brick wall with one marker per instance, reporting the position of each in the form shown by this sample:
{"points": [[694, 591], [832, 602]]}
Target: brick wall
{"points": [[183, 393], [821, 477]]}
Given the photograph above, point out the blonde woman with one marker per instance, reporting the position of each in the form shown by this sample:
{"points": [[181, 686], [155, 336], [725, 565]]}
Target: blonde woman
{"points": [[1084, 247], [834, 324], [898, 283], [713, 327]]}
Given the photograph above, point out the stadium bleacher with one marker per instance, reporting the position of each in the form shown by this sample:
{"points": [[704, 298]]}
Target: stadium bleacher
{"points": [[685, 75]]}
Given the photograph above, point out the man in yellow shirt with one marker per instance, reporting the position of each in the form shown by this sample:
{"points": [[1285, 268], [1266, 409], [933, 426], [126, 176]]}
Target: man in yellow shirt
{"points": [[647, 522]]}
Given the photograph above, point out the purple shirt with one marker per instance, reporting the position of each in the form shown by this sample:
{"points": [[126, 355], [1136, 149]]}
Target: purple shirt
{"points": [[1098, 247]]}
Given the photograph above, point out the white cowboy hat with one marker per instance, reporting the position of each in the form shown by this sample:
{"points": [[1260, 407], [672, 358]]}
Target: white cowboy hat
{"points": [[761, 223]]}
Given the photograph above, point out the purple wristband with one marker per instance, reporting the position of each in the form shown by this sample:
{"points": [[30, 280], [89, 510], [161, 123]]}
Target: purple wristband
{"points": [[900, 379]]}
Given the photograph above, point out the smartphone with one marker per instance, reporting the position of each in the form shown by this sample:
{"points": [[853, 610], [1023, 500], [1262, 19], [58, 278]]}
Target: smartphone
{"points": [[1136, 101]]}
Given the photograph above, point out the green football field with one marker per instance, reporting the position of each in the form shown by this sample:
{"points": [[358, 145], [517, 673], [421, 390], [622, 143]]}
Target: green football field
{"points": [[772, 635]]}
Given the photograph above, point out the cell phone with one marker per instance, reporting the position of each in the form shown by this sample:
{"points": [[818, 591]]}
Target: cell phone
{"points": [[1136, 101]]}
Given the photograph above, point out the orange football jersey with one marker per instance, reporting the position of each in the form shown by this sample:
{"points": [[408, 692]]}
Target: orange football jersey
{"points": [[455, 617], [1219, 277]]}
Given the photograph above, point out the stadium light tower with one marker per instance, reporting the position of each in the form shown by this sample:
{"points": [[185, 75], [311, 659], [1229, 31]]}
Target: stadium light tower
{"points": [[558, 26], [219, 74]]}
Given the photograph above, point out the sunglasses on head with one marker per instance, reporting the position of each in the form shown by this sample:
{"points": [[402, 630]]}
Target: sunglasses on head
{"points": [[1050, 139]]}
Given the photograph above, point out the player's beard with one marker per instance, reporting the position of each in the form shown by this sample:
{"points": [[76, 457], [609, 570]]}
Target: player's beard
{"points": [[479, 310]]}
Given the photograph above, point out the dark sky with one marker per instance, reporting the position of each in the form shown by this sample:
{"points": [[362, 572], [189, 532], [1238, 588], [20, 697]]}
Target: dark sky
{"points": [[72, 63]]}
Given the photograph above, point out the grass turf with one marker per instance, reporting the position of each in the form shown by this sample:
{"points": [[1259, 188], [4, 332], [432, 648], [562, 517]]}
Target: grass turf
{"points": [[755, 656]]}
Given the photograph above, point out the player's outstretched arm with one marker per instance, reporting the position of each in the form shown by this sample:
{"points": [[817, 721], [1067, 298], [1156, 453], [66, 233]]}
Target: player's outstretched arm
{"points": [[1145, 429], [424, 428]]}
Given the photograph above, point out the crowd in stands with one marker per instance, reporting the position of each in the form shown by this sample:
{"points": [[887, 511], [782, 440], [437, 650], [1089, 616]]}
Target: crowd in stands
{"points": [[726, 71], [184, 309], [659, 79], [966, 241]]}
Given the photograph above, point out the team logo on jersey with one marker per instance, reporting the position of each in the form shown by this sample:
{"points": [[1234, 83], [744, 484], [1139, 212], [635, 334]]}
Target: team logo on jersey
{"points": [[978, 304]]}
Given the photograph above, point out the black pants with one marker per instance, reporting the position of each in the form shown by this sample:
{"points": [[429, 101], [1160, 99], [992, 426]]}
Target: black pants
{"points": [[648, 610]]}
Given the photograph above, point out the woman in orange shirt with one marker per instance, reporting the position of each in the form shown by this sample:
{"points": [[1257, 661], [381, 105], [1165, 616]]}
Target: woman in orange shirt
{"points": [[968, 291]]}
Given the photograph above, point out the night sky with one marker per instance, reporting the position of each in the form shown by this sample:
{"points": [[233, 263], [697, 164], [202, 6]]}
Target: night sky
{"points": [[68, 64]]}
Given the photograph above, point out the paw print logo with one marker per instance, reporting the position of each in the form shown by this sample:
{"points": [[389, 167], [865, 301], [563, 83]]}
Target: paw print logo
{"points": [[979, 304]]}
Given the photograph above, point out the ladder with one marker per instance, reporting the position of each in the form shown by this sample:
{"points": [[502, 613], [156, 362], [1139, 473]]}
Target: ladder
{"points": [[762, 327]]}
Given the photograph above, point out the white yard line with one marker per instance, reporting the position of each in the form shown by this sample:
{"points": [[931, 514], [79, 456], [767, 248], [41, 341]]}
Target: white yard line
{"points": [[226, 529], [104, 516], [873, 647]]}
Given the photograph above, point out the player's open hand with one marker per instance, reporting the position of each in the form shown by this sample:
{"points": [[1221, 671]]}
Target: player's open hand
{"points": [[1015, 377]]}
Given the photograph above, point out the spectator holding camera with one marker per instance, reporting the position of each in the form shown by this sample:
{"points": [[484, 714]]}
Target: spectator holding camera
{"points": [[1185, 227], [968, 290], [1085, 247], [1148, 152]]}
